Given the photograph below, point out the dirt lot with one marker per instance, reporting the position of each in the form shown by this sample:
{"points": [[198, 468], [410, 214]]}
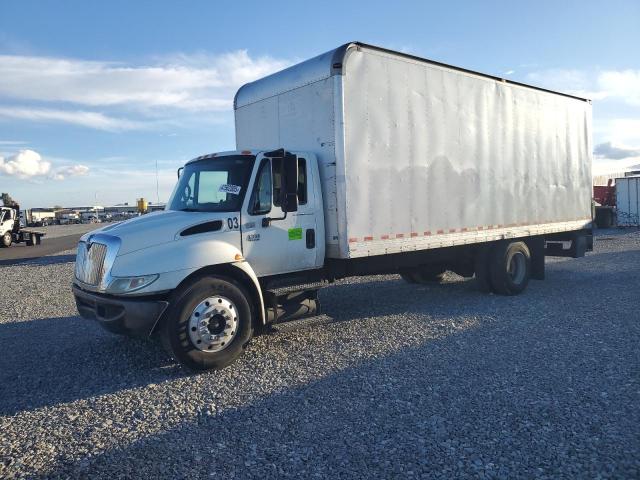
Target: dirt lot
{"points": [[394, 380]]}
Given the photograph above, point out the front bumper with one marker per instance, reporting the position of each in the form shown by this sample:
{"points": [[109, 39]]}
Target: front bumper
{"points": [[132, 316]]}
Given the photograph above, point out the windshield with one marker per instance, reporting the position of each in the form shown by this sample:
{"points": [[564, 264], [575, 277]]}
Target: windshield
{"points": [[212, 185]]}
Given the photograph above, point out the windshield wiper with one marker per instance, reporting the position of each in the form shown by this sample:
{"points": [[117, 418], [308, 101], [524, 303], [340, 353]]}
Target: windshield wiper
{"points": [[188, 210]]}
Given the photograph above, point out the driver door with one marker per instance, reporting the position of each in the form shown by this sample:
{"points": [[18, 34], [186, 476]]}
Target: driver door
{"points": [[281, 245]]}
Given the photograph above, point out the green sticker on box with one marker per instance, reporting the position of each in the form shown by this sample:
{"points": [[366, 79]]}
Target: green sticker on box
{"points": [[295, 234]]}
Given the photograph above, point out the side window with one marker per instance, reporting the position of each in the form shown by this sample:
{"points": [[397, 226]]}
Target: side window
{"points": [[302, 181], [261, 196]]}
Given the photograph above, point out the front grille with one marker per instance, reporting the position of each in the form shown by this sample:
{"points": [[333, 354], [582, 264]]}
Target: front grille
{"points": [[90, 263]]}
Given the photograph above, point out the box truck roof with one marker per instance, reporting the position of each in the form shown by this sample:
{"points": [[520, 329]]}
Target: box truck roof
{"points": [[333, 63]]}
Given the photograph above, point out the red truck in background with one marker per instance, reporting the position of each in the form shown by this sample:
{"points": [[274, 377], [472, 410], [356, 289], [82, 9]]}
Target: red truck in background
{"points": [[605, 208]]}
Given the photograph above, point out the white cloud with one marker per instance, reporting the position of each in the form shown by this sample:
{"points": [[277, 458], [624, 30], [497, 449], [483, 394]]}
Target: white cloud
{"points": [[28, 164], [25, 164], [82, 118], [615, 157], [619, 131], [70, 171], [615, 152], [603, 166], [622, 85], [191, 82]]}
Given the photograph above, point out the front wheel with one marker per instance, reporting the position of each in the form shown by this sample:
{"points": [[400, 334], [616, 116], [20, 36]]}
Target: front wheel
{"points": [[209, 324], [6, 239]]}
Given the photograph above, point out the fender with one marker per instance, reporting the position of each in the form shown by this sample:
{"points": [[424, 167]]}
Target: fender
{"points": [[246, 268]]}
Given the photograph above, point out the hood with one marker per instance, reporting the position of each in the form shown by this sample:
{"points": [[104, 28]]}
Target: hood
{"points": [[156, 228]]}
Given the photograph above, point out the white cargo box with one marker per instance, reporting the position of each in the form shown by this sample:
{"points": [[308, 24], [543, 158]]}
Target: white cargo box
{"points": [[628, 201], [415, 154]]}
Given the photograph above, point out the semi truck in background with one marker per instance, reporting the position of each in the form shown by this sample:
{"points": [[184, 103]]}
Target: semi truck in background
{"points": [[359, 161]]}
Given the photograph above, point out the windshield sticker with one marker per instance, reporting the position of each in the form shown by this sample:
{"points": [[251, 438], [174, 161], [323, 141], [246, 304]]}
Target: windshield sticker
{"points": [[228, 188]]}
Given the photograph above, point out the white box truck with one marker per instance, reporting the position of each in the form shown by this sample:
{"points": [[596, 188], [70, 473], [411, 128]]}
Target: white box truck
{"points": [[359, 161]]}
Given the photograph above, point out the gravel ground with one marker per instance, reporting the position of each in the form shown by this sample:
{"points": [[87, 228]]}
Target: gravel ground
{"points": [[395, 380]]}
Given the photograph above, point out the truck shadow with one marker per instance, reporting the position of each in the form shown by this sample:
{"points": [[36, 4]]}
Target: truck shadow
{"points": [[441, 407], [35, 352], [611, 271], [49, 361]]}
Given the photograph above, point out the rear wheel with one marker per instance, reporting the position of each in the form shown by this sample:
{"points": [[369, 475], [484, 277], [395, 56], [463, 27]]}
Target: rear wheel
{"points": [[509, 267], [7, 239], [209, 324]]}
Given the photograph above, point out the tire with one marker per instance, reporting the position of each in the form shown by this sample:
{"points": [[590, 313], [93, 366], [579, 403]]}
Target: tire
{"points": [[231, 324], [509, 267], [6, 240]]}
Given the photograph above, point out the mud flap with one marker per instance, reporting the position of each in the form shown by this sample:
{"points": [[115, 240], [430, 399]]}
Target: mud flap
{"points": [[569, 244]]}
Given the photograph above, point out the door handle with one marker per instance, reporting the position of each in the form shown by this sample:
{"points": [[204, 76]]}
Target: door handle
{"points": [[311, 238]]}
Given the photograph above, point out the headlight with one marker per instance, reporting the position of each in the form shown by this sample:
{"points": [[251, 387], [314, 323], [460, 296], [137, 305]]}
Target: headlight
{"points": [[130, 284]]}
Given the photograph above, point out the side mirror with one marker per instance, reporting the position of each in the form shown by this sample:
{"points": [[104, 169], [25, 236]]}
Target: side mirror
{"points": [[180, 171], [290, 190]]}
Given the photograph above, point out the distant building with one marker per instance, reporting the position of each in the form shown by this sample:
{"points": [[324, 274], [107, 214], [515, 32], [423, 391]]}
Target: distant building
{"points": [[603, 180]]}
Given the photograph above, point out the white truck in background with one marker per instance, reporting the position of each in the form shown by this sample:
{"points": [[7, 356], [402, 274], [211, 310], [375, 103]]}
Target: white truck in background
{"points": [[359, 161], [9, 225], [12, 228]]}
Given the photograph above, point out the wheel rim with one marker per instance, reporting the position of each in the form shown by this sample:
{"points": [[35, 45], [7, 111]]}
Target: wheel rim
{"points": [[213, 324], [517, 267]]}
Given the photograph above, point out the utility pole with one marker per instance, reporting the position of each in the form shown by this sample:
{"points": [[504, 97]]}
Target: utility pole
{"points": [[157, 184]]}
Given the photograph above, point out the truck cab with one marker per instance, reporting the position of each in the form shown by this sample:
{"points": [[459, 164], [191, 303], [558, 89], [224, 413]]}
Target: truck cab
{"points": [[235, 220], [8, 225], [245, 196]]}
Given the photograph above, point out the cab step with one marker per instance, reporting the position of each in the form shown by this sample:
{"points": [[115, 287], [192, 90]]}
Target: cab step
{"points": [[298, 287]]}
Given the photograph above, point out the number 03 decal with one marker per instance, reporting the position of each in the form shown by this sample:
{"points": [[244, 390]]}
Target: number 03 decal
{"points": [[232, 223]]}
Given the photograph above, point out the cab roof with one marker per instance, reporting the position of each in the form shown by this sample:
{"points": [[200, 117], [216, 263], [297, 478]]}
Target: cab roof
{"points": [[223, 154]]}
